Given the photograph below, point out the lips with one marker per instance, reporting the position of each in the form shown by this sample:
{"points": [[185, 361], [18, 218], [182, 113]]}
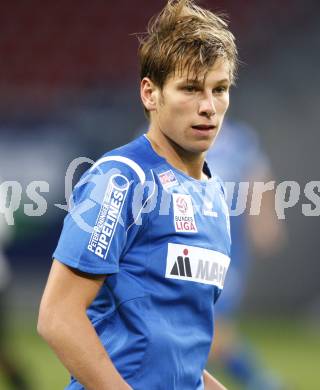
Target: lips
{"points": [[203, 127]]}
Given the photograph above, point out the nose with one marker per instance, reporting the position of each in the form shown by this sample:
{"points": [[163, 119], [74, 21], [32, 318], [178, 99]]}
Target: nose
{"points": [[206, 105]]}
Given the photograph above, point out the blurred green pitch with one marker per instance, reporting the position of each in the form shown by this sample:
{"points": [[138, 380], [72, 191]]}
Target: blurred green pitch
{"points": [[288, 348]]}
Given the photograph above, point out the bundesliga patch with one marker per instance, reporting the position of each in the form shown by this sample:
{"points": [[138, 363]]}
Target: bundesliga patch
{"points": [[108, 216], [183, 214], [168, 179], [195, 264]]}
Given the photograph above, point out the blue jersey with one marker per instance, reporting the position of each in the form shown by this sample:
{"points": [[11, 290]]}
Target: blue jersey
{"points": [[163, 240]]}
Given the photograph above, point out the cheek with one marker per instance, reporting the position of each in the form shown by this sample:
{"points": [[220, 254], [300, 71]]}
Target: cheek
{"points": [[184, 107], [223, 104], [178, 108]]}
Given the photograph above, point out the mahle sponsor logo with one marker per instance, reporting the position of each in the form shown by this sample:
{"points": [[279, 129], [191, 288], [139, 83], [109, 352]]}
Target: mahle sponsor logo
{"points": [[196, 264]]}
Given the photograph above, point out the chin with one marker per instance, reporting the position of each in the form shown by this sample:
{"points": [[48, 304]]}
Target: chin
{"points": [[199, 149], [204, 146]]}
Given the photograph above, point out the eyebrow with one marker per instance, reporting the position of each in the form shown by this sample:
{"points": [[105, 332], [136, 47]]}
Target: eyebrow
{"points": [[197, 82], [223, 81]]}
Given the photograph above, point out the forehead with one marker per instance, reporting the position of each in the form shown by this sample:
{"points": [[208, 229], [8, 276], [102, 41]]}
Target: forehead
{"points": [[219, 71]]}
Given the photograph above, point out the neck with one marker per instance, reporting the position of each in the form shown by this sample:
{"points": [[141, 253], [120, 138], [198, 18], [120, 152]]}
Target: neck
{"points": [[187, 162]]}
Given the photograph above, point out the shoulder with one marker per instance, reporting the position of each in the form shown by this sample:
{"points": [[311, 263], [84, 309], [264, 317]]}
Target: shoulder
{"points": [[127, 168], [134, 159]]}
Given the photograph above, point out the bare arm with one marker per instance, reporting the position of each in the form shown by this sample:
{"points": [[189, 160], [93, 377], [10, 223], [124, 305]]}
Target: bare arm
{"points": [[64, 324], [210, 383]]}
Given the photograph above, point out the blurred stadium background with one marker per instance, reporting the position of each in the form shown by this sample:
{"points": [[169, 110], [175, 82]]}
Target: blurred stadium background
{"points": [[69, 88]]}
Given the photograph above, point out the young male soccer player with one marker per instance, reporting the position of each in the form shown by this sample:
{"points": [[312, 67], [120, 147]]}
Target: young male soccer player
{"points": [[144, 250]]}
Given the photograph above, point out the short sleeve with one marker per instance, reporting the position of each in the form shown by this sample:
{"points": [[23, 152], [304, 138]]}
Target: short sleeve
{"points": [[96, 229]]}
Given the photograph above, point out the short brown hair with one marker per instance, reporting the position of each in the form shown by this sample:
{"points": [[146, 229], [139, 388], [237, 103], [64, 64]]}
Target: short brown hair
{"points": [[185, 36]]}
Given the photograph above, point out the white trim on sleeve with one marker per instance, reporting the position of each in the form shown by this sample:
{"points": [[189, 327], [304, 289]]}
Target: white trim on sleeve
{"points": [[132, 164]]}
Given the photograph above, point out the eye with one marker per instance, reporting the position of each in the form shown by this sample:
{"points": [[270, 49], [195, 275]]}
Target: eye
{"points": [[220, 89], [190, 88]]}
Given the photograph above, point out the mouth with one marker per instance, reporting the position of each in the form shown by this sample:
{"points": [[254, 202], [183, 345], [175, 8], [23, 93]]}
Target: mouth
{"points": [[204, 131], [204, 127]]}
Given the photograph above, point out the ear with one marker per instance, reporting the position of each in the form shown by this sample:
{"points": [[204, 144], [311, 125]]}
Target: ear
{"points": [[149, 94]]}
